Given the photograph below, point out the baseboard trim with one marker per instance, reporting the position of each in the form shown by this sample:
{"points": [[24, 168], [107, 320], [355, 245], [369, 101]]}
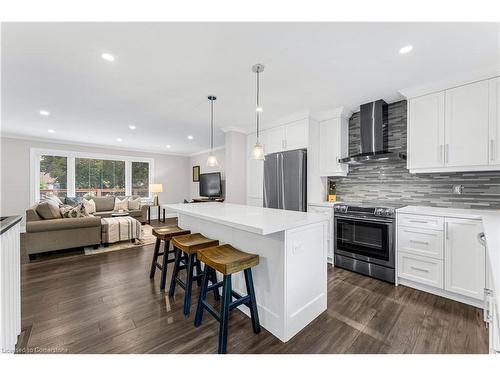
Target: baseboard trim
{"points": [[441, 293]]}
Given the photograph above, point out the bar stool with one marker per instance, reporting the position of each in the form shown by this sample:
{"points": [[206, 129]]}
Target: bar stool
{"points": [[164, 234], [189, 245], [227, 260]]}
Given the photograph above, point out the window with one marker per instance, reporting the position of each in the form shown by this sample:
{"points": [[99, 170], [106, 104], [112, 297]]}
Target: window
{"points": [[140, 179], [70, 174], [97, 177], [53, 176]]}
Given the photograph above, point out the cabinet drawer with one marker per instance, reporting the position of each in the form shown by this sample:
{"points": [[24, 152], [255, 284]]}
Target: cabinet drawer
{"points": [[421, 241], [421, 221], [420, 269]]}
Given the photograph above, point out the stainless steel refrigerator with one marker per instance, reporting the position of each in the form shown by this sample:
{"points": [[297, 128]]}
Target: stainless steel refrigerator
{"points": [[285, 180]]}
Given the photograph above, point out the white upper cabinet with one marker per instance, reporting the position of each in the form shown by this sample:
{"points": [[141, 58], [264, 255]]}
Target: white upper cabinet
{"points": [[494, 120], [292, 136], [274, 139], [466, 125], [296, 135], [464, 258], [456, 129], [426, 131], [333, 145]]}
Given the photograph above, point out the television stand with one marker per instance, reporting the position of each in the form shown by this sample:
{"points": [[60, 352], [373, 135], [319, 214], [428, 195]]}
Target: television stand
{"points": [[203, 200]]}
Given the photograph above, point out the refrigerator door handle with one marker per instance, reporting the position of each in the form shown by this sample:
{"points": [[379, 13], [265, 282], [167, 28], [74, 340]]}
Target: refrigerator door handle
{"points": [[281, 183]]}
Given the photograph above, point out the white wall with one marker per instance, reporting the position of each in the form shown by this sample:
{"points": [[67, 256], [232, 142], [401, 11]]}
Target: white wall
{"points": [[201, 160], [172, 171], [236, 145]]}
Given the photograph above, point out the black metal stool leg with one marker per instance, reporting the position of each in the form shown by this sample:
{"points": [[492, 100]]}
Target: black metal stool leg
{"points": [[203, 296], [164, 264], [189, 283], [198, 272], [224, 313], [175, 272], [155, 259], [213, 279], [253, 303]]}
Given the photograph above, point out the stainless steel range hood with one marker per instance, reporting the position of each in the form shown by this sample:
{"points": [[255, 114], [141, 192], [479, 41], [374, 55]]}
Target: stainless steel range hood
{"points": [[374, 141]]}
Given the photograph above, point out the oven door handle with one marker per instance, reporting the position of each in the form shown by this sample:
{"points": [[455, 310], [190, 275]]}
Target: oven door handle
{"points": [[350, 218]]}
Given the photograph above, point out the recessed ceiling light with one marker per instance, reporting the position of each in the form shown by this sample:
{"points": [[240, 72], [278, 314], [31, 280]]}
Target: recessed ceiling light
{"points": [[168, 146], [51, 131], [108, 56], [131, 127], [190, 137], [119, 139], [259, 109], [44, 112], [405, 49]]}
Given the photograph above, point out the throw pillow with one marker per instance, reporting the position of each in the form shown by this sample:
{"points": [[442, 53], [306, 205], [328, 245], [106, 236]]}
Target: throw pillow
{"points": [[72, 201], [121, 204], [48, 210], [54, 199], [73, 212], [134, 204], [89, 205]]}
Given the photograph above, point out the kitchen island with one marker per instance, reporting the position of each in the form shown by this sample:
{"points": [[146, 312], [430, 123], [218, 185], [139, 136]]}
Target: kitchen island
{"points": [[290, 280]]}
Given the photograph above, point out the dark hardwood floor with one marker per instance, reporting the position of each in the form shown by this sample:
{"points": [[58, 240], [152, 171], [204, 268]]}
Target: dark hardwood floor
{"points": [[106, 303]]}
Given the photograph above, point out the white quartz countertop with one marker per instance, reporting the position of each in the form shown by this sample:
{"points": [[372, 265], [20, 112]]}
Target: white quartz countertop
{"points": [[323, 203], [249, 218], [491, 229]]}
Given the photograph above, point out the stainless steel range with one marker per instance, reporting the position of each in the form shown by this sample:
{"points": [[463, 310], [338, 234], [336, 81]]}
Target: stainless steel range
{"points": [[365, 239]]}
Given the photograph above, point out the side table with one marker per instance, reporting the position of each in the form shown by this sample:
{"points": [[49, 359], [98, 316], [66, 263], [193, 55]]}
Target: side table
{"points": [[159, 216]]}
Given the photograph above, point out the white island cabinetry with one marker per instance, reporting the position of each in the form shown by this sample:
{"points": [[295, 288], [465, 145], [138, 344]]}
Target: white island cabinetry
{"points": [[290, 280]]}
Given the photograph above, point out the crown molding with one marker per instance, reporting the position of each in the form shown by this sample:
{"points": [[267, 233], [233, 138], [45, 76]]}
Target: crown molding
{"points": [[234, 129], [207, 151], [332, 113], [448, 83], [84, 144]]}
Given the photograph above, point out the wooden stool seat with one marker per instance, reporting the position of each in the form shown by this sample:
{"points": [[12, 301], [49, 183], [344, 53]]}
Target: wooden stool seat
{"points": [[186, 249], [166, 233], [226, 259], [191, 243]]}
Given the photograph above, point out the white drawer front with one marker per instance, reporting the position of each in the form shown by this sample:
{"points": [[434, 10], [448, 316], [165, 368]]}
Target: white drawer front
{"points": [[420, 241], [421, 221], [420, 269]]}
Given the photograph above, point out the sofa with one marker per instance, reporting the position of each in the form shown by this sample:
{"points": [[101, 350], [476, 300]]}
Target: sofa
{"points": [[43, 235]]}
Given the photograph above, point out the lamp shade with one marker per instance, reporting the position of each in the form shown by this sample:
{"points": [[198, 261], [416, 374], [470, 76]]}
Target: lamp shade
{"points": [[156, 188]]}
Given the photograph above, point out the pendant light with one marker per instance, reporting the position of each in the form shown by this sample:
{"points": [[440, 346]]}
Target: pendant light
{"points": [[212, 159], [258, 149]]}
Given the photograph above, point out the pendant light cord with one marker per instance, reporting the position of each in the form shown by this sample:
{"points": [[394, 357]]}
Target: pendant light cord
{"points": [[258, 105], [211, 124]]}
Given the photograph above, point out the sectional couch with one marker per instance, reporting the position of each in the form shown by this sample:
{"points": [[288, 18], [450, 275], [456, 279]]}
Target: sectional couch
{"points": [[43, 235]]}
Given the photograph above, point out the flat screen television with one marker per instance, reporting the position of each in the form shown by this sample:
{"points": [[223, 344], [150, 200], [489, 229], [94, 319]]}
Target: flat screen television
{"points": [[210, 185]]}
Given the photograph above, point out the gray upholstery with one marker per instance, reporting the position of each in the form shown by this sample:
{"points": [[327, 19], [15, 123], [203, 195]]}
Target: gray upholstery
{"points": [[48, 210], [104, 203], [64, 233]]}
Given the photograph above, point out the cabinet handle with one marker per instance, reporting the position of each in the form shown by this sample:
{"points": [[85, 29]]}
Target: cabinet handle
{"points": [[419, 269], [446, 231], [420, 242], [418, 221], [487, 305], [446, 153], [283, 143], [492, 154]]}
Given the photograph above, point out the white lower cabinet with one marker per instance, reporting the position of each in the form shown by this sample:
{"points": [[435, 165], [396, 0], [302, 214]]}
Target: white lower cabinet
{"points": [[464, 259], [442, 253], [421, 269]]}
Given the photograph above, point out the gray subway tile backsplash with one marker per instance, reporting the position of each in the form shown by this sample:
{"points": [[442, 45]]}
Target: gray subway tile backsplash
{"points": [[391, 182]]}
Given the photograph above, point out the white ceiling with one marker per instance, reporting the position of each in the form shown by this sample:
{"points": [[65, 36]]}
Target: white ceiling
{"points": [[164, 71]]}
